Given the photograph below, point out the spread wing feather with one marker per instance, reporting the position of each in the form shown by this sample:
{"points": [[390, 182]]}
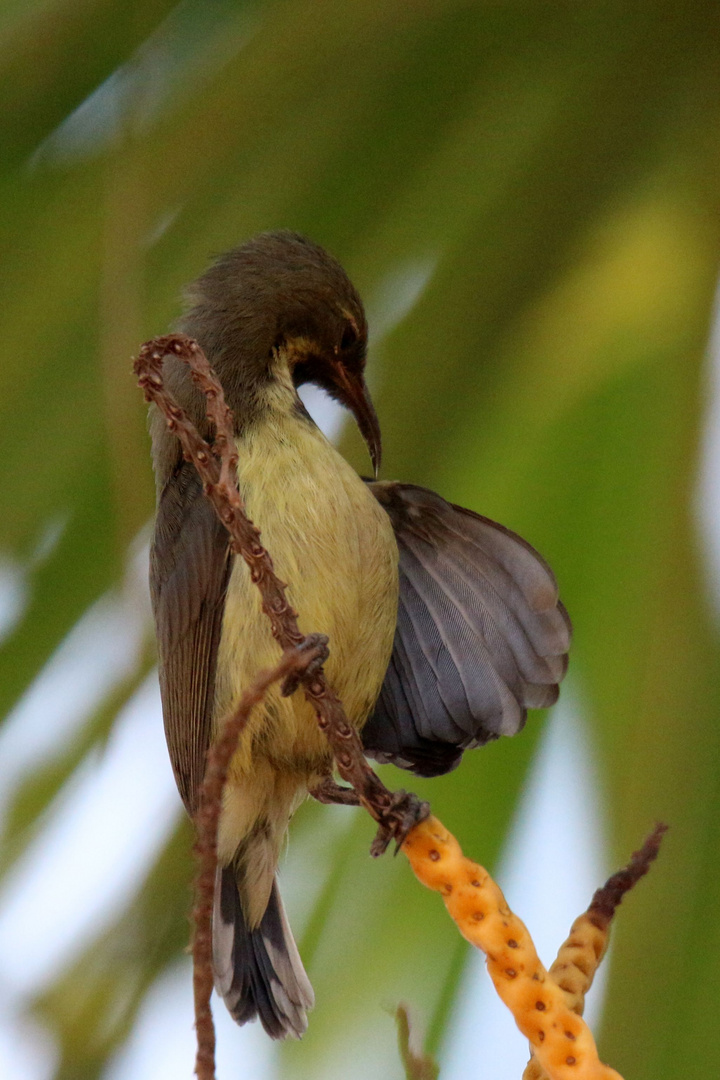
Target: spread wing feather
{"points": [[189, 570], [481, 635]]}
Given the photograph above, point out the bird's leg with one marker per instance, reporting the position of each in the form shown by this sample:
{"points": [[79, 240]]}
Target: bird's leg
{"points": [[403, 814], [311, 654], [332, 794]]}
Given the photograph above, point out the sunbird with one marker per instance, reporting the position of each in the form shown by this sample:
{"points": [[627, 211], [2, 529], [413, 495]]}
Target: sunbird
{"points": [[444, 627]]}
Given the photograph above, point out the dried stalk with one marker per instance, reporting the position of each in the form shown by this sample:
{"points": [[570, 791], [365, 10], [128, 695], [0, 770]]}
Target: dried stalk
{"points": [[301, 663], [217, 467], [293, 663]]}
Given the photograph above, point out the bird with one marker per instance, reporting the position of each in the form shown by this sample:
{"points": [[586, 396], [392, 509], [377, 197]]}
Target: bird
{"points": [[444, 627]]}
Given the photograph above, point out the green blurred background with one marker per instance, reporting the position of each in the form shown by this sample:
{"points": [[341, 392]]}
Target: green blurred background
{"points": [[527, 196]]}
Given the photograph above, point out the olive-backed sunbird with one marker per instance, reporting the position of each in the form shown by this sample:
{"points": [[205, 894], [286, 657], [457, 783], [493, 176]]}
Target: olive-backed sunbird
{"points": [[444, 627]]}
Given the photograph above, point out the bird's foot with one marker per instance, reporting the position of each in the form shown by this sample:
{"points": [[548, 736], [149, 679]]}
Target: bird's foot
{"points": [[330, 793], [404, 813], [311, 653]]}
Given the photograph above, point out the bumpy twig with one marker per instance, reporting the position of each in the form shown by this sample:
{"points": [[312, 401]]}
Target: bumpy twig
{"points": [[293, 663], [217, 465], [301, 665], [579, 956], [608, 898]]}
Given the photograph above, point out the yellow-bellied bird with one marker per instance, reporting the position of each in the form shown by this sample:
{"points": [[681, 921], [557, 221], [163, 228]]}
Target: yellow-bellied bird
{"points": [[444, 627]]}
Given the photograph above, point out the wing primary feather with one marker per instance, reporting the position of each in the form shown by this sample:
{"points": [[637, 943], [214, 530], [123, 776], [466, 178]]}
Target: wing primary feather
{"points": [[481, 634], [467, 681]]}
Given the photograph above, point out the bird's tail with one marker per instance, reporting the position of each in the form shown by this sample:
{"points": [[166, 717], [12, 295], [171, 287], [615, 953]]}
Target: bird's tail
{"points": [[258, 972]]}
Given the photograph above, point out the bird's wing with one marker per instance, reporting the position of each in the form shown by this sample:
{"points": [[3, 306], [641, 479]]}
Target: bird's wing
{"points": [[189, 570], [481, 635]]}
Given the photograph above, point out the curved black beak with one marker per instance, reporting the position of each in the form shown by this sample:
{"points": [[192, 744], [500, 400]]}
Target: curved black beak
{"points": [[353, 392]]}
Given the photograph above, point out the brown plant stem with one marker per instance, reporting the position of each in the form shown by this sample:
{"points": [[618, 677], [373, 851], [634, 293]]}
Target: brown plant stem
{"points": [[217, 467], [607, 898], [301, 665], [206, 824]]}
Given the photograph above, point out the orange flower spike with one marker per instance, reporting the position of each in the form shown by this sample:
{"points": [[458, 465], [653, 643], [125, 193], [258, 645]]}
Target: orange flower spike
{"points": [[579, 958], [580, 955], [573, 971], [561, 1041]]}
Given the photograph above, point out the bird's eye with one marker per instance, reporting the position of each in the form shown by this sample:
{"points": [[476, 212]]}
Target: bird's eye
{"points": [[349, 337]]}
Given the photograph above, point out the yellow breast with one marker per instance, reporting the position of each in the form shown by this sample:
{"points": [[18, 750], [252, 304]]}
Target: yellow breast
{"points": [[334, 545]]}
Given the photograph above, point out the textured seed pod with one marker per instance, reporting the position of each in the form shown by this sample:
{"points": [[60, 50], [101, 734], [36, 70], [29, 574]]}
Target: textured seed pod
{"points": [[580, 955], [574, 969], [560, 1039]]}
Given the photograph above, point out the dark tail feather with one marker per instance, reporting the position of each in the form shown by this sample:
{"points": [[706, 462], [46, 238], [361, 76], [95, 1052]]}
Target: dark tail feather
{"points": [[258, 972]]}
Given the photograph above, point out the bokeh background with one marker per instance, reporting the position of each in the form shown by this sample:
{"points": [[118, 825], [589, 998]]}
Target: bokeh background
{"points": [[527, 195]]}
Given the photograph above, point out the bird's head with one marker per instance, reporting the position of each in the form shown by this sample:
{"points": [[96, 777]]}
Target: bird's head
{"points": [[279, 312]]}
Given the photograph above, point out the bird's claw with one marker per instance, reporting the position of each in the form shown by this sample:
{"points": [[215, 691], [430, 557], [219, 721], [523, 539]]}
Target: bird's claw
{"points": [[404, 813], [311, 653]]}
